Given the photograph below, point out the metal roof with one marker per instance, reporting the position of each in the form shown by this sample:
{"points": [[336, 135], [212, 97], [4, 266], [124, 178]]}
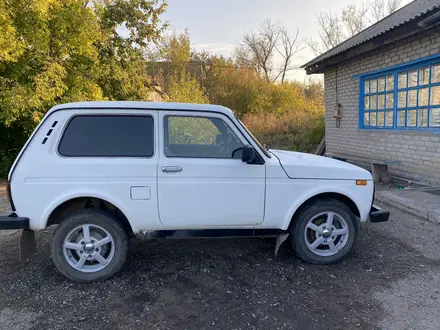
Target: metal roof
{"points": [[402, 16]]}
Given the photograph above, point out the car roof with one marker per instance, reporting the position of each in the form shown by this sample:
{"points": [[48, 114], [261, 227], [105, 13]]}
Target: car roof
{"points": [[140, 105]]}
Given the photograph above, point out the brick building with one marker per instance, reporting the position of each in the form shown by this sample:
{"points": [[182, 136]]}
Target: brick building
{"points": [[385, 81]]}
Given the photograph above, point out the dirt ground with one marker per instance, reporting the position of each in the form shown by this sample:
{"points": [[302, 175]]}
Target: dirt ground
{"points": [[4, 205], [392, 281]]}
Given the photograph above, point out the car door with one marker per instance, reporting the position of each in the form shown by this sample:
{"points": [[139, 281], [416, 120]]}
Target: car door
{"points": [[202, 181]]}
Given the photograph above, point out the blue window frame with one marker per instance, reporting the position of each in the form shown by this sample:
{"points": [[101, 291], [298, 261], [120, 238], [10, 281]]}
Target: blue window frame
{"points": [[406, 97]]}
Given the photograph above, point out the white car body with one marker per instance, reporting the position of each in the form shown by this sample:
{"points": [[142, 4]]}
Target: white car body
{"points": [[103, 171], [205, 194]]}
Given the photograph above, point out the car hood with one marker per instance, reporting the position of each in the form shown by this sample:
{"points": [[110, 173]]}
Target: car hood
{"points": [[298, 165]]}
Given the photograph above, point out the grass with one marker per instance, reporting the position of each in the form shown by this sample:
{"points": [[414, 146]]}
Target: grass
{"points": [[291, 131]]}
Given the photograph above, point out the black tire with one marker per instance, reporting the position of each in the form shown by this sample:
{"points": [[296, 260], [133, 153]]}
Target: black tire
{"points": [[91, 216], [300, 221]]}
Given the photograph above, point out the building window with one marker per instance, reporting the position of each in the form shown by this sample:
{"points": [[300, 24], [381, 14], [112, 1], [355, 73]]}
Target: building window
{"points": [[402, 99]]}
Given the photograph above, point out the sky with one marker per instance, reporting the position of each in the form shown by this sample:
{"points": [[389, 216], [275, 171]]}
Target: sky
{"points": [[218, 25]]}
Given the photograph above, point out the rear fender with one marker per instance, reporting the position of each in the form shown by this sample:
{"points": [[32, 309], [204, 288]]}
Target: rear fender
{"points": [[78, 194]]}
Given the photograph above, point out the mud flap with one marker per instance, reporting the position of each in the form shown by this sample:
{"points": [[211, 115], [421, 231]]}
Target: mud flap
{"points": [[28, 245], [280, 240]]}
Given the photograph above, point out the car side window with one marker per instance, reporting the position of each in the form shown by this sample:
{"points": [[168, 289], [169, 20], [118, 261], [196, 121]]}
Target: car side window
{"points": [[108, 136], [200, 137]]}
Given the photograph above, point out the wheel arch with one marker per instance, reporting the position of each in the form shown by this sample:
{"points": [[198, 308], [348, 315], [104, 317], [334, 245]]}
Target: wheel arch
{"points": [[325, 195], [71, 203]]}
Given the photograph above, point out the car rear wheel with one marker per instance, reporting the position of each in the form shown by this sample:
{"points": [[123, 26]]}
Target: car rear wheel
{"points": [[89, 246], [324, 232]]}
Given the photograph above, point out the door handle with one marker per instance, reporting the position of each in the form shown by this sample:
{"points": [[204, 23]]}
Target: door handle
{"points": [[171, 169]]}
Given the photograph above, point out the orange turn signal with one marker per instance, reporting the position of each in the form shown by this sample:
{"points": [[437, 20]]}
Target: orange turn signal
{"points": [[361, 182]]}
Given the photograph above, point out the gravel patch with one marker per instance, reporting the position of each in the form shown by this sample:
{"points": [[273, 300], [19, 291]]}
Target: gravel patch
{"points": [[4, 204], [17, 320], [403, 300]]}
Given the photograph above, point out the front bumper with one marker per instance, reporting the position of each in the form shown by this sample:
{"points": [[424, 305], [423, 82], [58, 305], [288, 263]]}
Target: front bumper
{"points": [[13, 221], [378, 215]]}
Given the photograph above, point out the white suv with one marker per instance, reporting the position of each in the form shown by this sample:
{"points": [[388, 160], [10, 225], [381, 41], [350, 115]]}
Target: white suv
{"points": [[103, 171]]}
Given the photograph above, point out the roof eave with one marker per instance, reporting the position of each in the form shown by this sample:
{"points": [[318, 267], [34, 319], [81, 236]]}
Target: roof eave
{"points": [[422, 21], [398, 33]]}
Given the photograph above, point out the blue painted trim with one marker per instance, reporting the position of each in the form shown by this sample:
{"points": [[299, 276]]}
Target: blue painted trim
{"points": [[416, 65], [403, 129], [409, 108], [396, 98], [378, 93], [413, 87], [417, 98], [361, 103], [398, 66]]}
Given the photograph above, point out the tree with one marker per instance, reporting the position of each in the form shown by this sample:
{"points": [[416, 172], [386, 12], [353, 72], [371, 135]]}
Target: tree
{"points": [[54, 51], [289, 47], [334, 28], [382, 8], [240, 88], [181, 83], [10, 46], [176, 50], [141, 18], [185, 88], [260, 47]]}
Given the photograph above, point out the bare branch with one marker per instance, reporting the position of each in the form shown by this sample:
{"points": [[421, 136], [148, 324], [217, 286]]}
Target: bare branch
{"points": [[315, 46], [354, 18], [382, 8], [377, 9], [335, 28], [261, 45], [289, 47], [393, 5]]}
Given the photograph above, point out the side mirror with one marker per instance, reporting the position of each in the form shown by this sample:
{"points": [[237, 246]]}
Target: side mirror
{"points": [[248, 154]]}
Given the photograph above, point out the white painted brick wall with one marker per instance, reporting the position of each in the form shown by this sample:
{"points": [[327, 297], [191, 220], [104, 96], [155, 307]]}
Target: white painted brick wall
{"points": [[418, 151]]}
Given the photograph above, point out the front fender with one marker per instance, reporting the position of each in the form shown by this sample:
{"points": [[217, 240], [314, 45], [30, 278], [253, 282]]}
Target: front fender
{"points": [[78, 193], [360, 195]]}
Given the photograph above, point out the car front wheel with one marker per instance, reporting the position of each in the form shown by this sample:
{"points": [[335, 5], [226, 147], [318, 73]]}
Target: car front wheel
{"points": [[324, 232], [89, 246]]}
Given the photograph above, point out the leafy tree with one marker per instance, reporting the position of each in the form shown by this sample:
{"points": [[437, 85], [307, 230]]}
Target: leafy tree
{"points": [[67, 50], [181, 83], [176, 50], [184, 88], [56, 51], [10, 46], [241, 89]]}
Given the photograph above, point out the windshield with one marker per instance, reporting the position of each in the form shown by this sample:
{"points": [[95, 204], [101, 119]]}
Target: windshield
{"points": [[254, 139]]}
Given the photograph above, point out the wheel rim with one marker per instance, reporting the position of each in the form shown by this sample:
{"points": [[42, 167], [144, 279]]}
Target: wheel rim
{"points": [[88, 248], [326, 234]]}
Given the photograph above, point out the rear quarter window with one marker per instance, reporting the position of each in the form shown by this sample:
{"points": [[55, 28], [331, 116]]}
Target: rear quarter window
{"points": [[108, 136]]}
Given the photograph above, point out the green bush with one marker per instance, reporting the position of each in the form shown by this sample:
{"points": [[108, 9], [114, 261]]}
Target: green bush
{"points": [[12, 140], [184, 88], [290, 131]]}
